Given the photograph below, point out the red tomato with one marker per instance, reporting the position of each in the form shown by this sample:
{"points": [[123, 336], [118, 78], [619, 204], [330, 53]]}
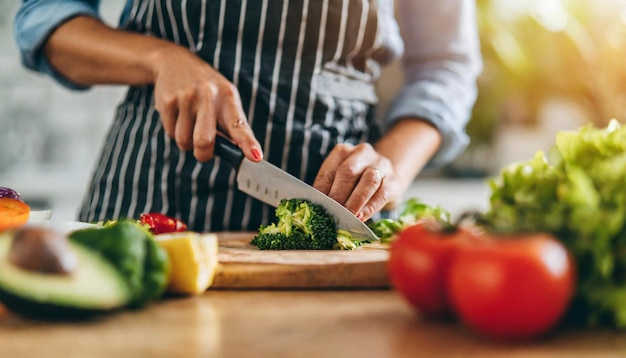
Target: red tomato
{"points": [[161, 224], [418, 264], [514, 288]]}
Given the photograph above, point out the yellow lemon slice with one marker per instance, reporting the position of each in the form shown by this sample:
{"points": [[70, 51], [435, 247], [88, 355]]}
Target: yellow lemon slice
{"points": [[193, 259]]}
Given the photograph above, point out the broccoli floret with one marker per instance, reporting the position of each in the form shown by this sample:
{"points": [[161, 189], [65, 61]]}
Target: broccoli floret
{"points": [[301, 225]]}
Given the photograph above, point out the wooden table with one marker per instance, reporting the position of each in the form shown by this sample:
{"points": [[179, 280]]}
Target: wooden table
{"points": [[284, 324]]}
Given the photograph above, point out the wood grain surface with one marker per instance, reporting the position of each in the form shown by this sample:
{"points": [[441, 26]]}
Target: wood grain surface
{"points": [[242, 265]]}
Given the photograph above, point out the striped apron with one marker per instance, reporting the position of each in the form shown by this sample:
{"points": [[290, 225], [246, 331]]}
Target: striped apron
{"points": [[304, 70]]}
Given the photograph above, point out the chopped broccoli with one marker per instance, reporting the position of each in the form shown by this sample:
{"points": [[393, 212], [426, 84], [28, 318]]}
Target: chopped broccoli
{"points": [[302, 225], [345, 241]]}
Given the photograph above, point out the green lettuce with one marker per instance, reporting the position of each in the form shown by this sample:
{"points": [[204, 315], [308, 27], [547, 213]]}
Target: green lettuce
{"points": [[412, 211], [576, 191]]}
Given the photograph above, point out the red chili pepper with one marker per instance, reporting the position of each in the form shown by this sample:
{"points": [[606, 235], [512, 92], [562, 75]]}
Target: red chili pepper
{"points": [[160, 223]]}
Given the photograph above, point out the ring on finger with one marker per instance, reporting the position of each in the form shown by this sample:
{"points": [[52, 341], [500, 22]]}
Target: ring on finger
{"points": [[379, 173], [239, 122]]}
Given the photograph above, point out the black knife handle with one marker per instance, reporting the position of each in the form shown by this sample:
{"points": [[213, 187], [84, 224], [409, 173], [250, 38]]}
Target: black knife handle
{"points": [[225, 149]]}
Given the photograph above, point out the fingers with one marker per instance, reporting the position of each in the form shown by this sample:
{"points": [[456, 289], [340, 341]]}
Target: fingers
{"points": [[373, 190], [377, 201], [366, 198], [358, 178], [193, 106], [326, 174], [233, 121], [168, 110], [184, 124], [204, 130]]}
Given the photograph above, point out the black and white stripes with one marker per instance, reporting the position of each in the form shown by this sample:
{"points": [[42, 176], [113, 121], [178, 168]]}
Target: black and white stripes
{"points": [[273, 51]]}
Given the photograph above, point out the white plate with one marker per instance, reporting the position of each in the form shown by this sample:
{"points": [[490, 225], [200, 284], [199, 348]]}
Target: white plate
{"points": [[38, 215], [61, 226]]}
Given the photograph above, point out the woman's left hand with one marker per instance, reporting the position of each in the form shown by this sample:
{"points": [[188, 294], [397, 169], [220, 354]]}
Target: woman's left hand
{"points": [[359, 178]]}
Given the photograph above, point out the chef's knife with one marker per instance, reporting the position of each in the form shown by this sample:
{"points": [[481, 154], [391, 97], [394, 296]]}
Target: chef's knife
{"points": [[270, 184]]}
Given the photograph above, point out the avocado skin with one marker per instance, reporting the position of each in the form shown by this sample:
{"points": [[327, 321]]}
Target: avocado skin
{"points": [[50, 311], [155, 274], [122, 244], [134, 253]]}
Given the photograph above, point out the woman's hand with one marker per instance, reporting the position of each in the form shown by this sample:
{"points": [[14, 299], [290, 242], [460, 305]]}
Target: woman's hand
{"points": [[367, 179], [194, 101], [359, 178]]}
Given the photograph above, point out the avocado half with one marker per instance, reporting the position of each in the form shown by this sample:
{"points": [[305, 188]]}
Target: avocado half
{"points": [[92, 289]]}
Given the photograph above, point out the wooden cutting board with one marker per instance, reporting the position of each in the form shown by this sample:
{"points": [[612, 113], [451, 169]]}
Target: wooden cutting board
{"points": [[242, 265]]}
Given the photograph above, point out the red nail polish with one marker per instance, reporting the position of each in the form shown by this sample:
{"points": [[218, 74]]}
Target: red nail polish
{"points": [[360, 216], [256, 154]]}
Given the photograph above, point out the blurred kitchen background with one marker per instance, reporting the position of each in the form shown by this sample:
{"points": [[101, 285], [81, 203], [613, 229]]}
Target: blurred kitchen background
{"points": [[550, 65]]}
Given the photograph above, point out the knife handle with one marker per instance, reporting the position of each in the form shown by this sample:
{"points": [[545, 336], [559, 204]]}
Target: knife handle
{"points": [[225, 149]]}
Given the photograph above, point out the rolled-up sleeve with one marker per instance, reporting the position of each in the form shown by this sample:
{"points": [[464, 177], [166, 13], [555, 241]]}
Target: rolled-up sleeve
{"points": [[36, 20], [441, 62]]}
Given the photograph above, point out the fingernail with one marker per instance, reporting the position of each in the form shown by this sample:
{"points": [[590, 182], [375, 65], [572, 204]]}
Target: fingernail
{"points": [[360, 216], [256, 154]]}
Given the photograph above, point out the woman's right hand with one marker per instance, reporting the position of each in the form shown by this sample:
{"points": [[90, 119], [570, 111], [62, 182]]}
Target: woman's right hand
{"points": [[195, 101]]}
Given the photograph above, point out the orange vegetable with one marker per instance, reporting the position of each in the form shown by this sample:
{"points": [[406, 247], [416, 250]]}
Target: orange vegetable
{"points": [[13, 213]]}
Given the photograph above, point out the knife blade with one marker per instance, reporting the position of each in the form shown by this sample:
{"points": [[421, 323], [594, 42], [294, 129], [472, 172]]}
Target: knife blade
{"points": [[270, 184]]}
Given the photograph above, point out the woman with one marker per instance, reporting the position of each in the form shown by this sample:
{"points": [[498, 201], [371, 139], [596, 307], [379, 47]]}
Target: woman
{"points": [[290, 81]]}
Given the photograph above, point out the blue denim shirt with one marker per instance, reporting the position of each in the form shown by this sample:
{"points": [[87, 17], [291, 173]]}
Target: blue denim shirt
{"points": [[439, 44]]}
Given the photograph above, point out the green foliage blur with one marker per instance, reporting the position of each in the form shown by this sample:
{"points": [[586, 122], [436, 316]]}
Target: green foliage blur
{"points": [[540, 50]]}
